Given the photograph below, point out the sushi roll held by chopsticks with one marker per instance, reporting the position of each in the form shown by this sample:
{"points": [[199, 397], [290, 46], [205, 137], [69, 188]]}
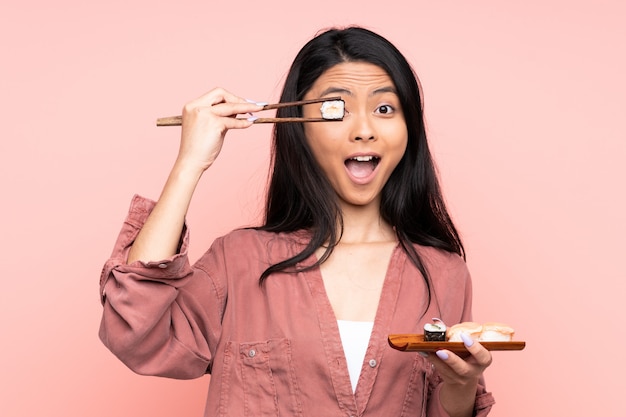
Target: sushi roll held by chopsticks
{"points": [[332, 110]]}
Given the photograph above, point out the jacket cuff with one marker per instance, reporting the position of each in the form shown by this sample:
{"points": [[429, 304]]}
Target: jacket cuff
{"points": [[173, 267], [482, 404]]}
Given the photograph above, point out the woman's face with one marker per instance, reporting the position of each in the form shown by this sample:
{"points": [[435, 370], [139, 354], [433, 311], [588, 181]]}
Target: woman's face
{"points": [[359, 153]]}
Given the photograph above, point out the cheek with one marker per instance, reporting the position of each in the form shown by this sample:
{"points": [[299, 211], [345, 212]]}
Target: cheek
{"points": [[323, 135], [316, 143], [399, 137], [311, 110], [399, 147], [325, 150]]}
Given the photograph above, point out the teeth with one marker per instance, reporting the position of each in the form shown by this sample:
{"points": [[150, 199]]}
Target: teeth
{"points": [[363, 158]]}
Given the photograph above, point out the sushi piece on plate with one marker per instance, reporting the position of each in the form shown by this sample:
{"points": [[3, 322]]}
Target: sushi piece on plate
{"points": [[496, 332], [471, 328], [435, 332]]}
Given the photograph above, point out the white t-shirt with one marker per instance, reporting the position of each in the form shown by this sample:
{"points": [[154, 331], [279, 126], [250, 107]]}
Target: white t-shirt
{"points": [[355, 336]]}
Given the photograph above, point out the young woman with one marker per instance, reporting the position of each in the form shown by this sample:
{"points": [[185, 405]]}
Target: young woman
{"points": [[291, 318]]}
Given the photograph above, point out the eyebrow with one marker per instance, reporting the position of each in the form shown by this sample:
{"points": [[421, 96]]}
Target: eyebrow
{"points": [[382, 90], [340, 90]]}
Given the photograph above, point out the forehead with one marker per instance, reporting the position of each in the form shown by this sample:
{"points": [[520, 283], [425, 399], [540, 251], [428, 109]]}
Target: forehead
{"points": [[351, 78]]}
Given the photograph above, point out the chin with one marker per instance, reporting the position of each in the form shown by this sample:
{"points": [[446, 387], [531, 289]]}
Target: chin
{"points": [[362, 202]]}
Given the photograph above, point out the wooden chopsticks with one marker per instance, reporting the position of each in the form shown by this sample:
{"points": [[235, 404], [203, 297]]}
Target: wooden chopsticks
{"points": [[177, 120]]}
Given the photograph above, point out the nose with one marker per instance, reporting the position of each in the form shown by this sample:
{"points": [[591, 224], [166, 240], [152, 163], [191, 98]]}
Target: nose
{"points": [[362, 128], [362, 138]]}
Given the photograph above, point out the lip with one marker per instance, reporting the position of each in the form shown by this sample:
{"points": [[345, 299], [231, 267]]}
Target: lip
{"points": [[371, 176]]}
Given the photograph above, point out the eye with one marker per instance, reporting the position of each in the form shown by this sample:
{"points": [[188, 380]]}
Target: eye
{"points": [[384, 109]]}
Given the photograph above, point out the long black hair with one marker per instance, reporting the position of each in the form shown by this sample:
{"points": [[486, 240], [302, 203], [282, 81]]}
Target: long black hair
{"points": [[301, 197]]}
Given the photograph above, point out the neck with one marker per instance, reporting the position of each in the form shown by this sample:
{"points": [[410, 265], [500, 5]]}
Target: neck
{"points": [[363, 224]]}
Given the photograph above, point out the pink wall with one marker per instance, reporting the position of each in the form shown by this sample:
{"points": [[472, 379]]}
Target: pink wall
{"points": [[525, 105]]}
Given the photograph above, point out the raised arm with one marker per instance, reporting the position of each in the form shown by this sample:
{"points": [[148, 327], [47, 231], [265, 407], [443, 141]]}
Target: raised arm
{"points": [[163, 317], [205, 123]]}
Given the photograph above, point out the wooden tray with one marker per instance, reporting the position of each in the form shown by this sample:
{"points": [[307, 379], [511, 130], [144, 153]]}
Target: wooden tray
{"points": [[415, 343]]}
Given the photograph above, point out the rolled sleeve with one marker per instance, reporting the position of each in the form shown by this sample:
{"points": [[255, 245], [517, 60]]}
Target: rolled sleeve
{"points": [[165, 269], [155, 316], [482, 405]]}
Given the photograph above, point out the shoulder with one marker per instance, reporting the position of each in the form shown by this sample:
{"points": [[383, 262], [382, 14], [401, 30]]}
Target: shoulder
{"points": [[439, 258], [252, 235], [269, 246], [246, 253], [443, 267], [451, 283]]}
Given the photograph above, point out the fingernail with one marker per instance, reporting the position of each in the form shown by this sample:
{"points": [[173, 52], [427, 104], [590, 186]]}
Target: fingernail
{"points": [[423, 354], [467, 339], [258, 103], [252, 119], [443, 355]]}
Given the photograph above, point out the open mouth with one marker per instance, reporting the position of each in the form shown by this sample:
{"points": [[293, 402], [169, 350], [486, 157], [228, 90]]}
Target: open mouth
{"points": [[362, 166]]}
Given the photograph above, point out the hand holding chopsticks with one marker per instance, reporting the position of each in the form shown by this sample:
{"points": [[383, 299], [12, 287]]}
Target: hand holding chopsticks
{"points": [[332, 109]]}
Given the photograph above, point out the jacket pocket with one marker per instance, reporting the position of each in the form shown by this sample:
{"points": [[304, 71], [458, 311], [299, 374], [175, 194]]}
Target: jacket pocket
{"points": [[268, 379]]}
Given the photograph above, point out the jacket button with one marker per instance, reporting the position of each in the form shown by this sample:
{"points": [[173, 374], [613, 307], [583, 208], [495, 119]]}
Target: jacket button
{"points": [[372, 363], [252, 353]]}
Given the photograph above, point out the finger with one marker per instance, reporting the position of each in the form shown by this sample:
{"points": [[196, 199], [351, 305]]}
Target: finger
{"points": [[233, 109], [222, 103], [481, 356], [454, 368], [216, 114], [475, 362], [439, 362], [216, 96], [238, 123]]}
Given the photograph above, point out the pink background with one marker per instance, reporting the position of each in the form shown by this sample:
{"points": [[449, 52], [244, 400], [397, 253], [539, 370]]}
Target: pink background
{"points": [[525, 104]]}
